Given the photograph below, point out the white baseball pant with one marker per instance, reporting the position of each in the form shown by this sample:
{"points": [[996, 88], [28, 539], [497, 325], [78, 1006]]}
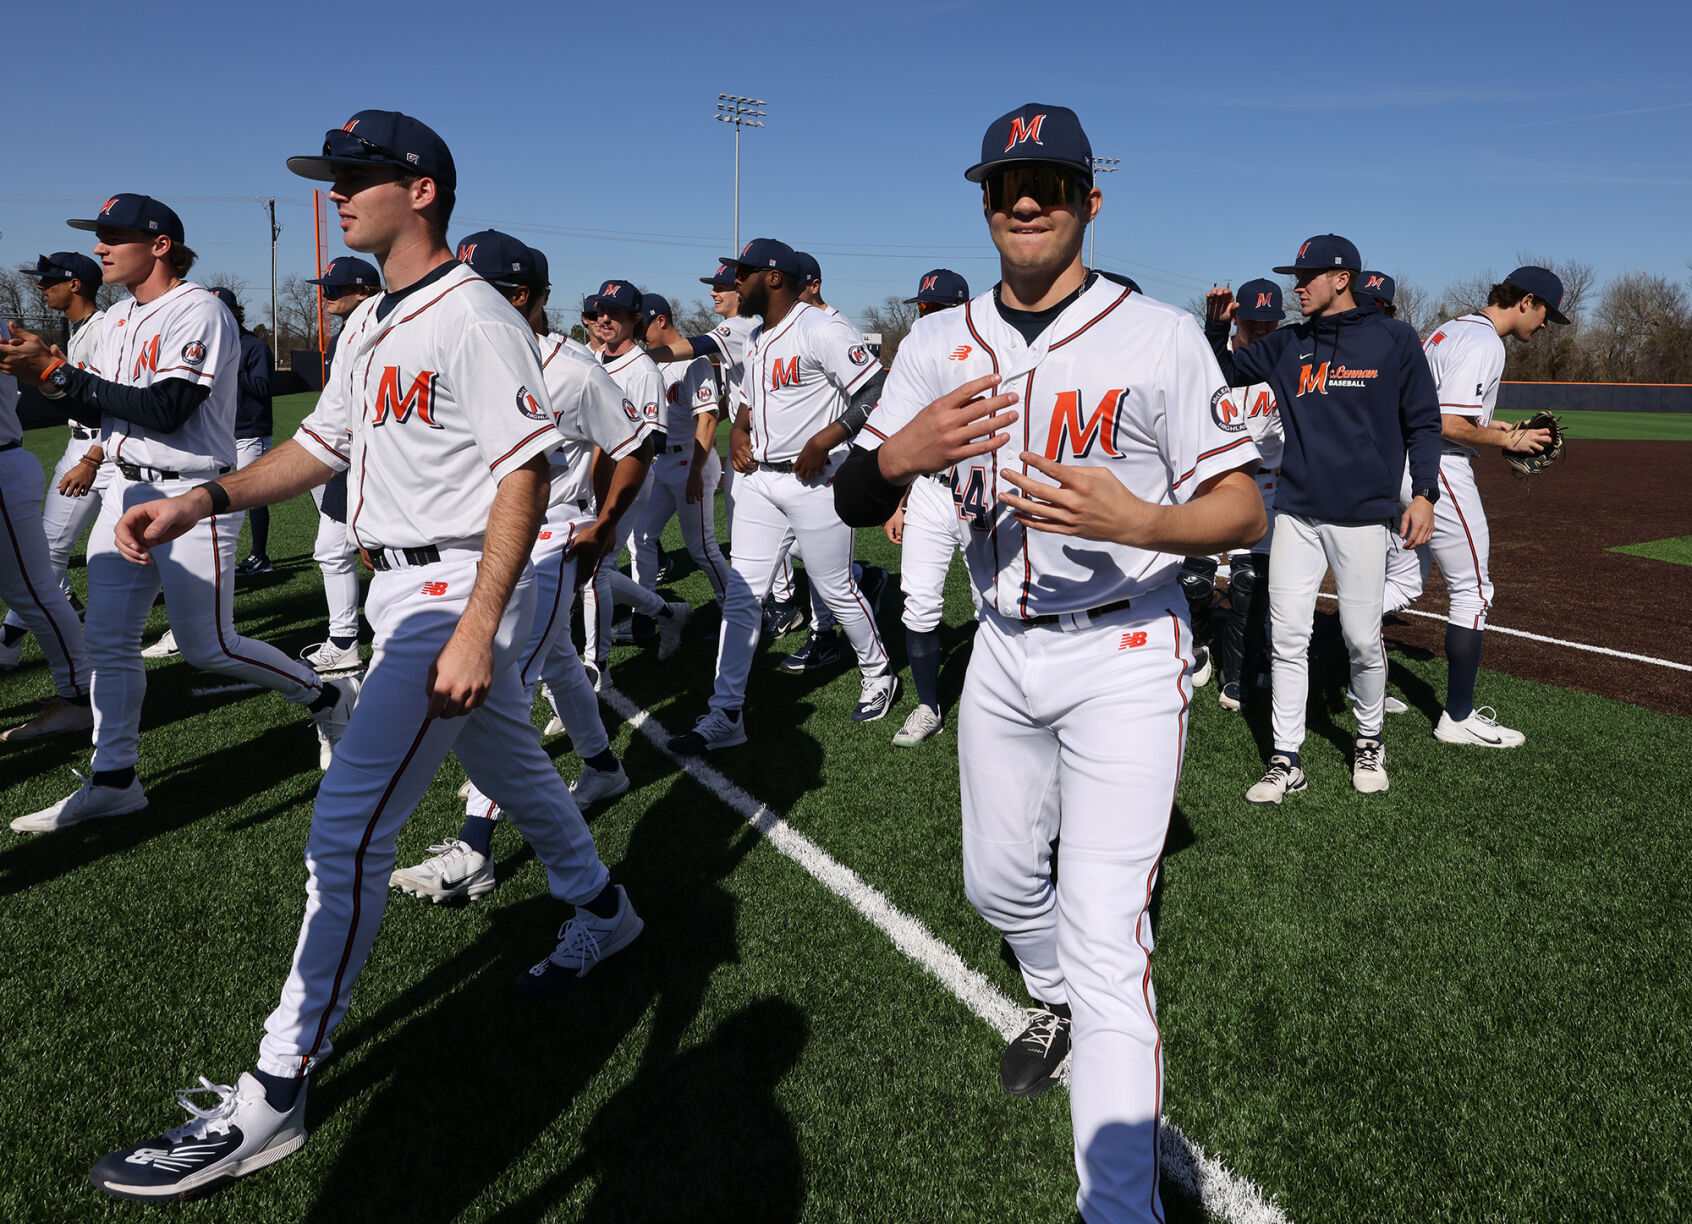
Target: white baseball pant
{"points": [[698, 522], [1303, 552], [64, 519], [384, 765], [26, 575], [610, 586], [1462, 542], [197, 572], [1078, 729], [931, 538], [769, 507], [338, 560]]}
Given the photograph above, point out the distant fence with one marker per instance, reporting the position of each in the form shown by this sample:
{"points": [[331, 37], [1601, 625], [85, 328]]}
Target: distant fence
{"points": [[1519, 397]]}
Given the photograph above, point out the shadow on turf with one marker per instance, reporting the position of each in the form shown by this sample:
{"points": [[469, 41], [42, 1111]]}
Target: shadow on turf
{"points": [[466, 1083]]}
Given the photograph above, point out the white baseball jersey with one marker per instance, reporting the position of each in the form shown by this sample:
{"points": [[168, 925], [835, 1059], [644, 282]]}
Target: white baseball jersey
{"points": [[188, 334], [428, 446], [690, 391], [799, 377], [731, 337], [85, 342], [576, 346], [1118, 380], [10, 430], [1262, 421], [1467, 359], [642, 384], [590, 411]]}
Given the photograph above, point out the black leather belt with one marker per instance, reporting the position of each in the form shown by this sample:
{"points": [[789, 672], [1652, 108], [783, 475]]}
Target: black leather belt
{"points": [[138, 472], [83, 435], [786, 465], [377, 559], [1053, 618], [10, 446]]}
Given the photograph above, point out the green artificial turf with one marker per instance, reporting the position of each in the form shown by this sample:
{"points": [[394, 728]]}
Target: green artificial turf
{"points": [[1629, 426], [1465, 999], [1676, 550]]}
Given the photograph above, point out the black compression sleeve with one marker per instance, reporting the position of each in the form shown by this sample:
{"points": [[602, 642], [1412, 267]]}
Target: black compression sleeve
{"points": [[164, 406], [863, 497], [863, 403]]}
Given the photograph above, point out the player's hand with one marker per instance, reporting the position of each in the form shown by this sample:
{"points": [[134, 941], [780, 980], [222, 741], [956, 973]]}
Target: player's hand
{"points": [[812, 460], [143, 528], [1527, 441], [695, 486], [740, 451], [1417, 525], [78, 480], [1089, 502], [24, 355], [460, 677], [588, 545], [1219, 305], [959, 425], [895, 526]]}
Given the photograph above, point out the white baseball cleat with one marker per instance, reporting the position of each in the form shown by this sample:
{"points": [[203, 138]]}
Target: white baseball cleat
{"points": [[1201, 667], [239, 1135], [331, 724], [554, 726], [1480, 728], [1390, 704], [1368, 768], [452, 870], [1282, 778], [713, 730], [583, 942], [58, 716], [875, 698], [670, 629], [922, 723], [89, 802], [593, 785], [164, 648], [11, 655], [464, 791], [326, 658]]}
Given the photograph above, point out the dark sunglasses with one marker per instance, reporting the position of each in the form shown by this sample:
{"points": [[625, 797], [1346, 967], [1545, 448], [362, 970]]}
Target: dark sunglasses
{"points": [[331, 292], [1048, 186]]}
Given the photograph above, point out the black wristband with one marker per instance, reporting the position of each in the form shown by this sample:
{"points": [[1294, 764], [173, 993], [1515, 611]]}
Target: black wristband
{"points": [[218, 494]]}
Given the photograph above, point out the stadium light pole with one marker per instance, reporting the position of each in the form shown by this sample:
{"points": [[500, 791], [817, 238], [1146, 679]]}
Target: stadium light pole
{"points": [[1101, 165], [742, 112]]}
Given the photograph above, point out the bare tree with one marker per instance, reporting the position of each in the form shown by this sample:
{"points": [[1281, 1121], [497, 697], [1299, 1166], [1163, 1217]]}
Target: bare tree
{"points": [[1414, 305], [296, 303], [892, 319], [694, 318], [231, 281], [1643, 329]]}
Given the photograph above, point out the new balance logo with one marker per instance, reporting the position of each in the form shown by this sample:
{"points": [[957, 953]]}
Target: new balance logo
{"points": [[1131, 640], [960, 353], [434, 588], [177, 1161]]}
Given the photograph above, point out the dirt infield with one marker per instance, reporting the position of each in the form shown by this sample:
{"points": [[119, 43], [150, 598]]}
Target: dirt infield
{"points": [[1553, 573]]}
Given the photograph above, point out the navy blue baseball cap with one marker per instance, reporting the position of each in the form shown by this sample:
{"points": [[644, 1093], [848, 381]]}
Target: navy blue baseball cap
{"points": [[1325, 252], [1545, 285], [590, 305], [765, 253], [64, 266], [1261, 300], [810, 271], [227, 297], [1034, 132], [134, 212], [722, 278], [941, 287], [618, 295], [1375, 287], [380, 138], [499, 258], [654, 304], [543, 273], [346, 271]]}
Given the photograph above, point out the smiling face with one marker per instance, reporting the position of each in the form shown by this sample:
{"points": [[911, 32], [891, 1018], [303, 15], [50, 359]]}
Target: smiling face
{"points": [[1037, 215], [725, 302], [615, 327]]}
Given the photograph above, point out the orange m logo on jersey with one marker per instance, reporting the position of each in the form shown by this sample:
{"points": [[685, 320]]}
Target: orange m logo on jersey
{"points": [[419, 397], [673, 394], [784, 375], [1317, 382], [146, 359], [1263, 406], [1266, 301], [1068, 432], [1021, 131]]}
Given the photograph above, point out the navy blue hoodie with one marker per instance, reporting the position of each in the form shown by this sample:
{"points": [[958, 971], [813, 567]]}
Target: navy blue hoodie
{"points": [[1355, 394]]}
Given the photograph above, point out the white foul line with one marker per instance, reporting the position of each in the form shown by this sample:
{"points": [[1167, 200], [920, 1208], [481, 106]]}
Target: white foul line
{"points": [[1549, 641], [1204, 1177]]}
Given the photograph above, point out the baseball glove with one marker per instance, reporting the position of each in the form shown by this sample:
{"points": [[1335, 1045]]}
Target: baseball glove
{"points": [[1525, 464]]}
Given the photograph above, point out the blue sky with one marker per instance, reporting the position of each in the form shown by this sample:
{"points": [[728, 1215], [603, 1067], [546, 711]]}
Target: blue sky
{"points": [[1441, 138]]}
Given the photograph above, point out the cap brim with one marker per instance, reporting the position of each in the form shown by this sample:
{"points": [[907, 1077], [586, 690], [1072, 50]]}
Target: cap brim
{"points": [[1556, 316], [324, 169], [1291, 270], [83, 223], [1260, 316]]}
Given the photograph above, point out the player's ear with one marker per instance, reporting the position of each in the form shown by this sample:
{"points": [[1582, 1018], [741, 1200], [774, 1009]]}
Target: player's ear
{"points": [[1095, 202]]}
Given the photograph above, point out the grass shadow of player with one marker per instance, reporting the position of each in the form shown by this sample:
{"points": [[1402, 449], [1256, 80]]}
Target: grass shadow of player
{"points": [[480, 1077]]}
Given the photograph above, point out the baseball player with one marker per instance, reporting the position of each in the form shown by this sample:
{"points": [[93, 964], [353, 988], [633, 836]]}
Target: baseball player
{"points": [[802, 367], [1354, 398], [1377, 289], [69, 283], [1466, 355], [928, 529], [252, 425], [1073, 717], [27, 585], [166, 388], [588, 408], [439, 407]]}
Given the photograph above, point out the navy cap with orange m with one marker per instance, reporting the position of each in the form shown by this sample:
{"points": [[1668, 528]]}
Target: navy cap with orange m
{"points": [[941, 287], [1327, 252], [1260, 300], [1375, 287], [128, 211], [381, 138], [1545, 285], [500, 258], [1034, 132]]}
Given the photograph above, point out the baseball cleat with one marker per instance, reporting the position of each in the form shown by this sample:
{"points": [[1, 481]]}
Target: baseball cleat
{"points": [[1480, 728], [58, 716], [819, 651], [1231, 696], [593, 785], [554, 726], [1201, 666], [326, 658], [452, 870], [670, 628], [781, 619], [875, 699], [872, 585], [331, 723], [1035, 1057], [1282, 778], [254, 564], [164, 648], [622, 632], [464, 791], [239, 1135], [583, 942], [11, 655], [714, 730], [89, 802], [1390, 704], [1368, 769], [598, 674], [922, 723]]}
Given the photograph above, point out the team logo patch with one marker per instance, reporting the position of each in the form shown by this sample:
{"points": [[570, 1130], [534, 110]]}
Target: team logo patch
{"points": [[529, 406], [1224, 413], [858, 355], [630, 411], [723, 331], [194, 352], [960, 353], [434, 588]]}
